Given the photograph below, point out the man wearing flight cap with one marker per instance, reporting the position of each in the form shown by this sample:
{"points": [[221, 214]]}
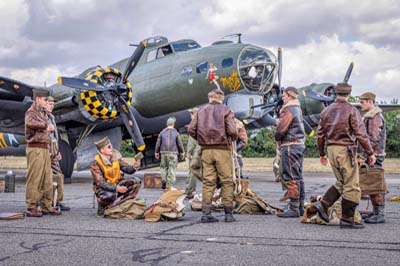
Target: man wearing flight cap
{"points": [[169, 144], [289, 137], [192, 150], [375, 126], [39, 181], [109, 183], [55, 157], [340, 128], [213, 126]]}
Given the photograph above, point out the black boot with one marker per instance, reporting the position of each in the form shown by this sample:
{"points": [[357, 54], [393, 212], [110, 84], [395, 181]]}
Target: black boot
{"points": [[292, 211], [207, 217], [301, 207], [347, 221], [378, 217], [323, 205], [100, 210], [228, 215]]}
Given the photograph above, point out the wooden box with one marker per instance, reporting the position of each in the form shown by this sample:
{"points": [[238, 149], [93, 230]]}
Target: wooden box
{"points": [[152, 180]]}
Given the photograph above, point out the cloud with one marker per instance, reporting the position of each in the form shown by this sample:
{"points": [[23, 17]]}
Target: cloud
{"points": [[41, 38]]}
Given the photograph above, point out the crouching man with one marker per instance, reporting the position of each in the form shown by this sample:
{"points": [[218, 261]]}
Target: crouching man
{"points": [[109, 183]]}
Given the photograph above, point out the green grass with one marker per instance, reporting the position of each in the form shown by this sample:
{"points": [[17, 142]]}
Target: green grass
{"points": [[250, 164]]}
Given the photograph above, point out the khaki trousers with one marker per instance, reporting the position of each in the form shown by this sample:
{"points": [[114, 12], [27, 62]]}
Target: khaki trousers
{"points": [[39, 180], [217, 164], [347, 178], [59, 179]]}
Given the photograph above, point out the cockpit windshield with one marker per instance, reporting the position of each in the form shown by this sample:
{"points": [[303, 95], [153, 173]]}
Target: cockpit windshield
{"points": [[185, 46]]}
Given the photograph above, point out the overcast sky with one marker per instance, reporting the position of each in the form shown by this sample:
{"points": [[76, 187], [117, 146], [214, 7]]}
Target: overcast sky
{"points": [[42, 39]]}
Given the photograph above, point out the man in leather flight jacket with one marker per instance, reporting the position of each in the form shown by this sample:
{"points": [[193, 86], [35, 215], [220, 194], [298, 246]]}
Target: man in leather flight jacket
{"points": [[39, 180], [375, 126], [213, 126], [340, 128], [109, 183], [290, 138], [169, 144]]}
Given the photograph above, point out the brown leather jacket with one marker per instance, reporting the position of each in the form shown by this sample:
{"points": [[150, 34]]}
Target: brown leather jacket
{"points": [[290, 127], [213, 126], [341, 124], [36, 122], [169, 140], [375, 126]]}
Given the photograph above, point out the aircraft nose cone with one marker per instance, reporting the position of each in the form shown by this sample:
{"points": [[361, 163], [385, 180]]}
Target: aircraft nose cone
{"points": [[257, 69]]}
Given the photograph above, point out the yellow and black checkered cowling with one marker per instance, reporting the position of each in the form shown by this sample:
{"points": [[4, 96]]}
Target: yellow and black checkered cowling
{"points": [[91, 101]]}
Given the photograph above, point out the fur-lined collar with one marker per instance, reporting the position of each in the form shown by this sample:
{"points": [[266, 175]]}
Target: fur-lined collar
{"points": [[294, 102], [372, 113]]}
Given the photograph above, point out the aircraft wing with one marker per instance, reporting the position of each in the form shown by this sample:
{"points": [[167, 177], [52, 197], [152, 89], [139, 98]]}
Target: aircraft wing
{"points": [[15, 99]]}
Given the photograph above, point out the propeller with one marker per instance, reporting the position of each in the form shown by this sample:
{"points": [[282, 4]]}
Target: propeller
{"points": [[348, 73], [118, 89], [280, 67]]}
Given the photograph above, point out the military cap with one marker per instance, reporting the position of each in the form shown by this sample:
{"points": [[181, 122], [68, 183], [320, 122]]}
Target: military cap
{"points": [[171, 121], [217, 94], [292, 91], [40, 93], [102, 143], [193, 110], [368, 96], [343, 88], [50, 99]]}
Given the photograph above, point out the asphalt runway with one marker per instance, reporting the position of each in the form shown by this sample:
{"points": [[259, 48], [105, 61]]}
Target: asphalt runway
{"points": [[79, 237]]}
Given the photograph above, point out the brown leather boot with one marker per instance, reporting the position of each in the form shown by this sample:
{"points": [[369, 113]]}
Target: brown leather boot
{"points": [[322, 206], [51, 211], [292, 191], [347, 221], [33, 212]]}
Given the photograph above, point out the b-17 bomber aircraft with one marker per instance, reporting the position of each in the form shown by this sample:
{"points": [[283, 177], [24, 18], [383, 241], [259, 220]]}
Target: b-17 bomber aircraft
{"points": [[132, 98]]}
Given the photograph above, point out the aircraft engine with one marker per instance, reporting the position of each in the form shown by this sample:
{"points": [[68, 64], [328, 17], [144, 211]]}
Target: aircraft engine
{"points": [[103, 104]]}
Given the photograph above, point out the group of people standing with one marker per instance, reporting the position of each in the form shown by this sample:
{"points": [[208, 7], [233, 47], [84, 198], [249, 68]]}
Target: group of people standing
{"points": [[345, 139]]}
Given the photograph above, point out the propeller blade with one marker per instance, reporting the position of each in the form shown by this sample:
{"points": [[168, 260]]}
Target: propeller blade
{"points": [[131, 125], [130, 66], [81, 84], [317, 96], [348, 73], [16, 87], [280, 66]]}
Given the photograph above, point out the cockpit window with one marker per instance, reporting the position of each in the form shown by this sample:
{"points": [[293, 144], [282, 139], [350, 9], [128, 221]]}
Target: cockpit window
{"points": [[185, 46], [202, 67], [227, 62], [164, 51]]}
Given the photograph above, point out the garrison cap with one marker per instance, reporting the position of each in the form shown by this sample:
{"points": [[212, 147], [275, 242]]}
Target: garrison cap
{"points": [[40, 93], [171, 121], [50, 99], [292, 91], [368, 96], [102, 143], [343, 88]]}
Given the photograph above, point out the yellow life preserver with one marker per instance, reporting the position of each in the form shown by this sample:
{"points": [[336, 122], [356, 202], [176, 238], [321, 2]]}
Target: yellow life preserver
{"points": [[92, 103], [112, 173]]}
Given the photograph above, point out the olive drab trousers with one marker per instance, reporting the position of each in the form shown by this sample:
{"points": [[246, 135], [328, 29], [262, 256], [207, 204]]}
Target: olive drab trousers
{"points": [[169, 161], [216, 164], [39, 180], [347, 177]]}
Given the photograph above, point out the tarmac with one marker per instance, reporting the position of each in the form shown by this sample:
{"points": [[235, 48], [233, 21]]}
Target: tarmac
{"points": [[80, 237]]}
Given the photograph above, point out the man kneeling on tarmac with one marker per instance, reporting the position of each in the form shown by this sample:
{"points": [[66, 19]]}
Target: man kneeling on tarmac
{"points": [[109, 183]]}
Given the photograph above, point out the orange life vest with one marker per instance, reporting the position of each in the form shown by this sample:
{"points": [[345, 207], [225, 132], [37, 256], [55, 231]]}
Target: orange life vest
{"points": [[112, 173]]}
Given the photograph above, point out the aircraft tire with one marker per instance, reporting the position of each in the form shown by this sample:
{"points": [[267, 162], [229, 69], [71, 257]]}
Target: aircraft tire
{"points": [[67, 161]]}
